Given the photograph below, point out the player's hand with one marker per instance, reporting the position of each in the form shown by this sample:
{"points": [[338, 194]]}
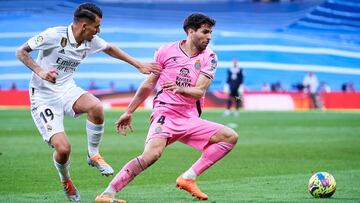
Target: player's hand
{"points": [[124, 123], [171, 86], [147, 68], [49, 75]]}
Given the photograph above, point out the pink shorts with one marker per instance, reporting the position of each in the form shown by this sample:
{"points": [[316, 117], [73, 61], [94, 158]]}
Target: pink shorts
{"points": [[192, 131]]}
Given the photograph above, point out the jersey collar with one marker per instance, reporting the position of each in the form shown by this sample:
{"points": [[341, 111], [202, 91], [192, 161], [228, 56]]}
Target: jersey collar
{"points": [[70, 35], [183, 51]]}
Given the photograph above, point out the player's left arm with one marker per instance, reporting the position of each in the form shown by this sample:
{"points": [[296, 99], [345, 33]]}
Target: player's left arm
{"points": [[145, 68], [195, 92]]}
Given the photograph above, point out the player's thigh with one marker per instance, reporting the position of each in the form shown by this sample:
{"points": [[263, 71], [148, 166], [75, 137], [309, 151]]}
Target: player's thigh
{"points": [[199, 132], [225, 134], [48, 118], [85, 103]]}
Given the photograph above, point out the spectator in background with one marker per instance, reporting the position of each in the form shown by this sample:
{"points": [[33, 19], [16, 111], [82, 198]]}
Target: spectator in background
{"points": [[311, 85], [276, 87], [234, 87], [13, 86], [324, 87], [92, 85], [265, 87], [344, 87], [351, 87]]}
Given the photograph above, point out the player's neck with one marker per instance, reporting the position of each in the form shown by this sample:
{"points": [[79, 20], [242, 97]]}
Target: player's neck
{"points": [[77, 35], [189, 48]]}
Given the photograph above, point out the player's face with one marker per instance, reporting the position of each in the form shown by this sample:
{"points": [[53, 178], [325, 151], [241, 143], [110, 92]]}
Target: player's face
{"points": [[92, 28], [202, 36]]}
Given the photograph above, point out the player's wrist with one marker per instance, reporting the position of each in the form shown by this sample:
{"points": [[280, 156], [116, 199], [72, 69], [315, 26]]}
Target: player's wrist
{"points": [[129, 112]]}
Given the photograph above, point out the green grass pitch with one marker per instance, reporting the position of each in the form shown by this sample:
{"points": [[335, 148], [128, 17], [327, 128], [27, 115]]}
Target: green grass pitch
{"points": [[275, 156]]}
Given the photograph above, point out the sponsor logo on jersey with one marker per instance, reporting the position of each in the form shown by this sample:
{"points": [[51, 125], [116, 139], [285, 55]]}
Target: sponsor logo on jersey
{"points": [[62, 51], [184, 72], [67, 66], [63, 42], [183, 80]]}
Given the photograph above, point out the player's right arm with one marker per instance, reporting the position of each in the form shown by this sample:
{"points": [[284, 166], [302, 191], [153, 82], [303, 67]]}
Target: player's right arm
{"points": [[23, 54], [146, 88]]}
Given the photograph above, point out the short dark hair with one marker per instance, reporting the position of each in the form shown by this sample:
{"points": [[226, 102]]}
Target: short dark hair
{"points": [[88, 11], [195, 20]]}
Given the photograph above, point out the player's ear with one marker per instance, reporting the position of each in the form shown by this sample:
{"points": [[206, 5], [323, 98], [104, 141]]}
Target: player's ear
{"points": [[83, 25]]}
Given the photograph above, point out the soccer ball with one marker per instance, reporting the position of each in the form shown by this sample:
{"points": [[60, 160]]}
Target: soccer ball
{"points": [[322, 185]]}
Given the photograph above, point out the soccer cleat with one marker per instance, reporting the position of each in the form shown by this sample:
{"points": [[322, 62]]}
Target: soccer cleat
{"points": [[190, 186], [98, 162], [108, 198], [70, 191]]}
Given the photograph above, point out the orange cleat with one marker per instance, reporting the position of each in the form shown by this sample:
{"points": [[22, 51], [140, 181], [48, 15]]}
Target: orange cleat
{"points": [[99, 162], [70, 191], [108, 198], [190, 186]]}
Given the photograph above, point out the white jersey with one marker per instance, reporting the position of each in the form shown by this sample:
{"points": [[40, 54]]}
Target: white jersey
{"points": [[57, 49]]}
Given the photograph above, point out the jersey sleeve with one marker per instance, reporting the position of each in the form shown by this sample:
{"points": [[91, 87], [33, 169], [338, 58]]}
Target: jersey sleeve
{"points": [[97, 44], [210, 65], [159, 56], [45, 40]]}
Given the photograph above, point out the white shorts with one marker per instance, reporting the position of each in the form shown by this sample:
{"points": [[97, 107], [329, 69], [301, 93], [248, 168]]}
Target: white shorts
{"points": [[49, 115]]}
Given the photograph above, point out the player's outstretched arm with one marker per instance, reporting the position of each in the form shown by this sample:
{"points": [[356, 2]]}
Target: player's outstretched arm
{"points": [[146, 88], [196, 92], [145, 68], [22, 53]]}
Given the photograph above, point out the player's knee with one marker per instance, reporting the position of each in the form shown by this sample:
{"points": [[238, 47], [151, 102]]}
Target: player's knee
{"points": [[97, 111], [231, 136], [63, 150]]}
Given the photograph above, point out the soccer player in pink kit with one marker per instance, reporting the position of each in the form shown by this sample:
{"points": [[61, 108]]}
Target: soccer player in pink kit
{"points": [[188, 69]]}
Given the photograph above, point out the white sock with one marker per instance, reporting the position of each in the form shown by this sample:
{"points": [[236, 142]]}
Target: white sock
{"points": [[189, 174], [63, 170], [94, 133], [110, 190]]}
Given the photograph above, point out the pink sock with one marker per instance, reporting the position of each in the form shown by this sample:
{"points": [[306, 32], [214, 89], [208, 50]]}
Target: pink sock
{"points": [[128, 173], [211, 155]]}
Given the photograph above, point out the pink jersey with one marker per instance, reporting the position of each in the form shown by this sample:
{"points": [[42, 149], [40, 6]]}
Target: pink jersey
{"points": [[184, 70]]}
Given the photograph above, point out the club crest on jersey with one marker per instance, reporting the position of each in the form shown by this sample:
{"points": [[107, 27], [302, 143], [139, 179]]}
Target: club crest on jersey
{"points": [[63, 42], [197, 64], [158, 128], [49, 127], [39, 40]]}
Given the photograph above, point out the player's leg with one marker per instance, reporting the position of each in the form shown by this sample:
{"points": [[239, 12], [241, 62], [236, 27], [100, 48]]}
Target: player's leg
{"points": [[228, 106], [88, 103], [152, 152], [48, 118], [61, 158], [215, 141], [219, 145]]}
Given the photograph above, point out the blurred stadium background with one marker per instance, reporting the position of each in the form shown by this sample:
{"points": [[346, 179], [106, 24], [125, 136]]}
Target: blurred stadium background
{"points": [[277, 42]]}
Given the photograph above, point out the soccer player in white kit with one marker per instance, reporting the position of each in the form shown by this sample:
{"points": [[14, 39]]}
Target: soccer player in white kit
{"points": [[53, 92]]}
